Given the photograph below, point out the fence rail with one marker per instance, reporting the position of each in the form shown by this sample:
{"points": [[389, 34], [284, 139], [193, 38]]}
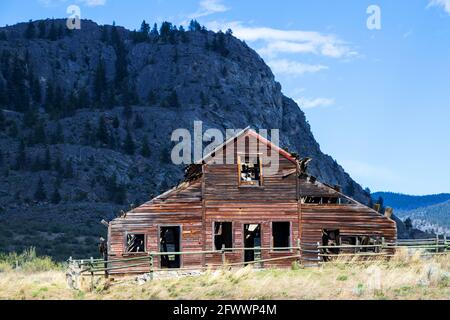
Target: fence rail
{"points": [[299, 253]]}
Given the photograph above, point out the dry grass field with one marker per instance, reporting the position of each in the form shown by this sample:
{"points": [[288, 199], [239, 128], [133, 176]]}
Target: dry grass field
{"points": [[403, 277]]}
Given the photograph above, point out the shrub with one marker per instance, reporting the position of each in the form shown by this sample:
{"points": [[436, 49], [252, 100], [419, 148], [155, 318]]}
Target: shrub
{"points": [[27, 261]]}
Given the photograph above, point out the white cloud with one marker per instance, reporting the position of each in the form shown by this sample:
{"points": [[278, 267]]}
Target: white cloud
{"points": [[88, 3], [208, 7], [445, 4], [277, 41], [93, 3], [311, 103], [288, 67]]}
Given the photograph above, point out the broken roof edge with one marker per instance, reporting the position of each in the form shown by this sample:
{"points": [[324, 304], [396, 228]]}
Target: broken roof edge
{"points": [[256, 135], [181, 186], [356, 202]]}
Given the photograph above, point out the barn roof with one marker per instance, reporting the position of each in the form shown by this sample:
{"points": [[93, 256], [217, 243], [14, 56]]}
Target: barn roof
{"points": [[260, 138]]}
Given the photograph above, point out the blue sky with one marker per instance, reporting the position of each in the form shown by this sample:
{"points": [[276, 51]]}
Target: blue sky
{"points": [[377, 100]]}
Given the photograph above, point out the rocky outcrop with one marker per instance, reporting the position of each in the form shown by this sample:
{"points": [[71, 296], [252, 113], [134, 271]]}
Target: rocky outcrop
{"points": [[138, 90]]}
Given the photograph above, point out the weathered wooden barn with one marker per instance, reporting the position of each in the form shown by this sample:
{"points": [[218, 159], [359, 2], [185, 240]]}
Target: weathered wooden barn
{"points": [[236, 205]]}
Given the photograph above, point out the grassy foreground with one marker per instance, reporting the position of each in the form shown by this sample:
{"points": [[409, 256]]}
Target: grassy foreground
{"points": [[403, 277]]}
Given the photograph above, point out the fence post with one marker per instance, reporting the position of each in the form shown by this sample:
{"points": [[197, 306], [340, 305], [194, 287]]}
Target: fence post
{"points": [[92, 273], [151, 266], [299, 250], [445, 242], [437, 243], [223, 255]]}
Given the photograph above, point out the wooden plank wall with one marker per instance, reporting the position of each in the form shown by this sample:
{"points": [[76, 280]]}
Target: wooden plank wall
{"points": [[217, 196], [226, 201], [181, 208], [348, 219]]}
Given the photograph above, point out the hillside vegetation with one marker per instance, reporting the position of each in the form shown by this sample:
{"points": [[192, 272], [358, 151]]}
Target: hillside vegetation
{"points": [[86, 118], [403, 277]]}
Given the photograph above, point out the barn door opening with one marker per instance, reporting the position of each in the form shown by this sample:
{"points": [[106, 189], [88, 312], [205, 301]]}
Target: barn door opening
{"points": [[170, 242], [252, 240]]}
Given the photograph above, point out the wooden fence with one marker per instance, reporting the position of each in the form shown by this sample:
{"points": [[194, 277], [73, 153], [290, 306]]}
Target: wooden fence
{"points": [[99, 267]]}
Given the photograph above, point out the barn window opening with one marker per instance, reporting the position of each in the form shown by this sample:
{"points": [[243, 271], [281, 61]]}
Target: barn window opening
{"points": [[281, 236], [135, 243], [326, 200], [250, 170], [252, 241], [170, 243], [330, 239], [223, 235]]}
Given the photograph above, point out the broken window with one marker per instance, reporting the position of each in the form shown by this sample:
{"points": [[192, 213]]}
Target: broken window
{"points": [[135, 243], [325, 200], [223, 235], [281, 235], [170, 242], [250, 170]]}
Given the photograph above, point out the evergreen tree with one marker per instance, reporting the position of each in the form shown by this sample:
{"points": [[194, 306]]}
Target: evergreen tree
{"points": [[121, 54], [56, 197], [2, 94], [144, 31], [194, 26], [172, 100], [37, 164], [408, 224], [53, 33], [104, 34], [47, 163], [129, 146], [165, 157], [184, 36], [30, 32], [138, 121], [21, 160], [3, 36], [49, 97], [35, 87], [116, 191], [57, 165], [100, 82], [68, 170], [83, 99], [42, 29], [127, 112], [155, 32], [18, 92], [39, 136], [87, 134], [152, 98], [145, 150], [40, 194], [2, 120], [219, 44], [116, 123], [167, 32], [102, 132]]}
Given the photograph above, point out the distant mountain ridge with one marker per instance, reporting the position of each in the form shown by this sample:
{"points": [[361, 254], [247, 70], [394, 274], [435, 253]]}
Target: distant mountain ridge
{"points": [[400, 201], [428, 213], [434, 218]]}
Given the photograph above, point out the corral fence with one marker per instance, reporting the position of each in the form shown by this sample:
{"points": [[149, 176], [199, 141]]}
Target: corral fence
{"points": [[312, 254]]}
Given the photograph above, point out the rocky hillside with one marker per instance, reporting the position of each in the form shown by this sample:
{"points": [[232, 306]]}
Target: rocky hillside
{"points": [[87, 117]]}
